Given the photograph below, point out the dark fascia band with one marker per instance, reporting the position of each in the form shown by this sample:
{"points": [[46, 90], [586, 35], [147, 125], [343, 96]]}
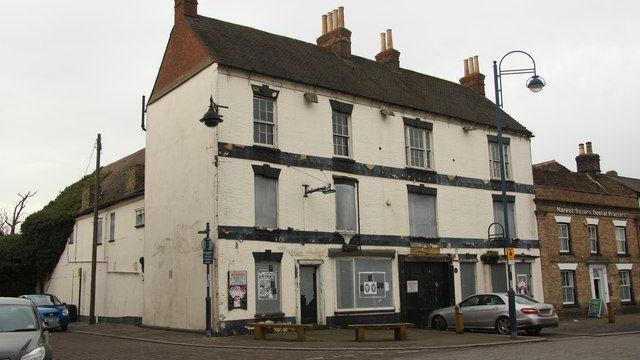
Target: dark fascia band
{"points": [[333, 253], [341, 107], [266, 171], [265, 92], [417, 123], [494, 139], [421, 189], [267, 256], [498, 197], [344, 180]]}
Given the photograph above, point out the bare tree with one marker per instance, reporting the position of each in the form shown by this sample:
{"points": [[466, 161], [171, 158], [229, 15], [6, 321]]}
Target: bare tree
{"points": [[11, 222]]}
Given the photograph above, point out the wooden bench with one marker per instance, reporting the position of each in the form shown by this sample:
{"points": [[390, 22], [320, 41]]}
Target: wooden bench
{"points": [[399, 330], [260, 334]]}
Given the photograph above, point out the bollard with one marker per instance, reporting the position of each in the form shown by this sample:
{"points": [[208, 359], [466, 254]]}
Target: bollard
{"points": [[459, 321], [611, 313]]}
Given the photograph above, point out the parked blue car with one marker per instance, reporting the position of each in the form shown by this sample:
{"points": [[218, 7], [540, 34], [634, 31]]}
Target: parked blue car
{"points": [[54, 313]]}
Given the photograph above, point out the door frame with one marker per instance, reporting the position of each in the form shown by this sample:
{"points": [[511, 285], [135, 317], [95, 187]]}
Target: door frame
{"points": [[318, 264], [604, 280]]}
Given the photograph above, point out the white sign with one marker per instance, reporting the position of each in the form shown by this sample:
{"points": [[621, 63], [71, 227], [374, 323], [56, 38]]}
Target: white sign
{"points": [[592, 212], [412, 286], [370, 288], [267, 285]]}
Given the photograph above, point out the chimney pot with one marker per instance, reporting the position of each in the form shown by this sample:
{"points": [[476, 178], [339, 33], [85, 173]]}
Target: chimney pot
{"points": [[472, 78], [389, 39], [324, 24], [587, 162], [383, 42], [337, 37], [580, 149]]}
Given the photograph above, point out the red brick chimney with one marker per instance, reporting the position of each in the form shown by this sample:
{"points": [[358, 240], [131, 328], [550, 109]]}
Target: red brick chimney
{"points": [[334, 35], [387, 54], [587, 162], [472, 78], [185, 8]]}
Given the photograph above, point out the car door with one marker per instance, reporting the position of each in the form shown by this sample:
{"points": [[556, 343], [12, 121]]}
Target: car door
{"points": [[468, 309], [488, 310]]}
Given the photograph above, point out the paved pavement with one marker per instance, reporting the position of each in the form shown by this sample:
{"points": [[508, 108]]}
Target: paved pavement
{"points": [[74, 346], [580, 338]]}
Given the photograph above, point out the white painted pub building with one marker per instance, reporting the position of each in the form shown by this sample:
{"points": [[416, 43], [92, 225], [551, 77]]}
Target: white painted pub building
{"points": [[339, 189]]}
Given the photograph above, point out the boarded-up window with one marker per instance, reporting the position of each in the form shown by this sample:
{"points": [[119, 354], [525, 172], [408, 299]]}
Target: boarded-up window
{"points": [[468, 279], [265, 193], [268, 286], [364, 283], [422, 215], [498, 215], [112, 226], [346, 206], [498, 278], [99, 232]]}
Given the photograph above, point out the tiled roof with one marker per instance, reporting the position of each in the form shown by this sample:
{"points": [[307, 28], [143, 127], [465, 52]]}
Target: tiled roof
{"points": [[120, 179], [629, 182], [281, 57], [554, 175]]}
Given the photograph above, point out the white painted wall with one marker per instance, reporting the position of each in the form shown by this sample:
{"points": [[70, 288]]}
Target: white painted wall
{"points": [[180, 199], [119, 280]]}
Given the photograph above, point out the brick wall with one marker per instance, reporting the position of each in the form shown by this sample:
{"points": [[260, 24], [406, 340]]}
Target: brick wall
{"points": [[581, 255]]}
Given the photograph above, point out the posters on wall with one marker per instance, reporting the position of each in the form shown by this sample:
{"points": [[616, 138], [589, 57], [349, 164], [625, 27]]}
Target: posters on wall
{"points": [[237, 292], [267, 288], [522, 284], [412, 286]]}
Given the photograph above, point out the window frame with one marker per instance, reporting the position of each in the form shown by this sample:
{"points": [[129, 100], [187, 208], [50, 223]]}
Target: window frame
{"points": [[427, 151], [100, 231], [356, 285], [112, 226], [255, 217], [625, 241], [507, 160], [629, 285], [511, 202], [348, 136], [273, 124], [140, 212], [435, 212], [593, 240], [568, 237], [572, 274]]}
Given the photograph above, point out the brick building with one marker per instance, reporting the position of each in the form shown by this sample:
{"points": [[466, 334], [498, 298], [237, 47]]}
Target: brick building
{"points": [[588, 231]]}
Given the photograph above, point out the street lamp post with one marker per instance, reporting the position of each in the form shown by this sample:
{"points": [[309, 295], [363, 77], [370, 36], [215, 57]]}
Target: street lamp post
{"points": [[535, 84]]}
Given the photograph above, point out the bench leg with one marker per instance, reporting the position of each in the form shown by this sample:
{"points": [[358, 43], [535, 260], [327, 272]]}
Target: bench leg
{"points": [[400, 333], [258, 333], [300, 334], [359, 334]]}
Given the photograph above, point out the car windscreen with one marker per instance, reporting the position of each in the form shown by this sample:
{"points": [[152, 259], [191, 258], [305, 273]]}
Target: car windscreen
{"points": [[43, 300], [17, 318], [522, 299]]}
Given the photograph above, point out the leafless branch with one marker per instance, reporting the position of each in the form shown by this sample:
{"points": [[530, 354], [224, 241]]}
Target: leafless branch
{"points": [[12, 222]]}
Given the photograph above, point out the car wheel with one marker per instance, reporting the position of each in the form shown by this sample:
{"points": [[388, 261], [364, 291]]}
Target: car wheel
{"points": [[533, 331], [502, 325], [64, 327], [438, 323]]}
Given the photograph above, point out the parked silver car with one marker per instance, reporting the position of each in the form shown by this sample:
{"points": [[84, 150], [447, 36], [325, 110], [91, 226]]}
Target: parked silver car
{"points": [[490, 311]]}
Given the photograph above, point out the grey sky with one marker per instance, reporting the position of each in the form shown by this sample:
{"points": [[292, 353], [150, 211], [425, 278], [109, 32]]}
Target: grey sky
{"points": [[70, 69]]}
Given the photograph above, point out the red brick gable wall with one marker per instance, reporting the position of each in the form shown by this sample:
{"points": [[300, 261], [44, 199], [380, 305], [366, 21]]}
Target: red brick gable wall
{"points": [[184, 57]]}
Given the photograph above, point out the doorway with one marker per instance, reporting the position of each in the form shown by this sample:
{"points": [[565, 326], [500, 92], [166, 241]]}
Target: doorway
{"points": [[425, 286], [308, 294], [599, 283]]}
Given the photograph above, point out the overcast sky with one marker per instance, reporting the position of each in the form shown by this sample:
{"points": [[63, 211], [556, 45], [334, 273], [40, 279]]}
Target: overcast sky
{"points": [[70, 69]]}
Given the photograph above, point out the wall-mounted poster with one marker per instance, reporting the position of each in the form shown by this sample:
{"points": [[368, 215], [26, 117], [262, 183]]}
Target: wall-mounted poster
{"points": [[237, 293], [595, 308], [522, 284], [267, 285], [412, 286]]}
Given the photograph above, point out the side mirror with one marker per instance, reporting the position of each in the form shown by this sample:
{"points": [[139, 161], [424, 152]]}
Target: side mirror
{"points": [[64, 304], [45, 326]]}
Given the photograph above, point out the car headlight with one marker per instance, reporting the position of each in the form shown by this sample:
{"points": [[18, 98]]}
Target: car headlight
{"points": [[65, 312], [35, 354]]}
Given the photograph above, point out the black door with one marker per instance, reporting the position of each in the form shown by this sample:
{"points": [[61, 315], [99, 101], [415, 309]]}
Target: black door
{"points": [[308, 298], [425, 286]]}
